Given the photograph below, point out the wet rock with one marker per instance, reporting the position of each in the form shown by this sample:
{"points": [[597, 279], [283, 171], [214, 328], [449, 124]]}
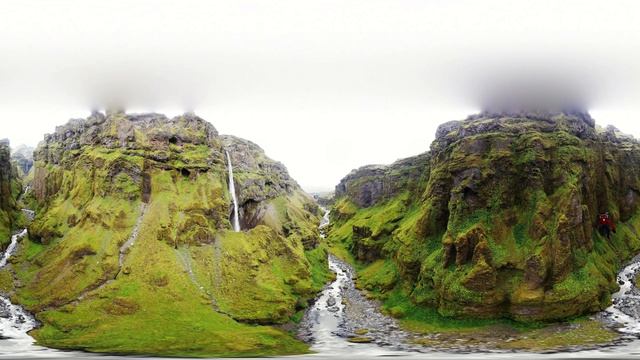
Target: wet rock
{"points": [[361, 316]]}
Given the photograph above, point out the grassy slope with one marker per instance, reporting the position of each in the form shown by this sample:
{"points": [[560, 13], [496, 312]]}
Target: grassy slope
{"points": [[184, 283], [157, 309]]}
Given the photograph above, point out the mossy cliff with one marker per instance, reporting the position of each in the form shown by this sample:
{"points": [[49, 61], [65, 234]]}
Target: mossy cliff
{"points": [[498, 218], [10, 189], [267, 195], [132, 251]]}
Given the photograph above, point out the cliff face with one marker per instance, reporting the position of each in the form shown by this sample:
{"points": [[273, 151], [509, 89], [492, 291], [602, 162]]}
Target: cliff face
{"points": [[10, 189], [267, 195], [133, 227], [374, 184], [22, 156], [501, 219]]}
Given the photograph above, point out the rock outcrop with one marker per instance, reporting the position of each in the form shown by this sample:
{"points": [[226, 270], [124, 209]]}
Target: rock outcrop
{"points": [[499, 220], [10, 189], [262, 184], [134, 209], [373, 184]]}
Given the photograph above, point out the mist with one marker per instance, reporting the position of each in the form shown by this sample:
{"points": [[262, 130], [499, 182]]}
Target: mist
{"points": [[323, 86]]}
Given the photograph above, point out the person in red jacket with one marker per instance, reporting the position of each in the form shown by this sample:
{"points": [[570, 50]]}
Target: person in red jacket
{"points": [[606, 225]]}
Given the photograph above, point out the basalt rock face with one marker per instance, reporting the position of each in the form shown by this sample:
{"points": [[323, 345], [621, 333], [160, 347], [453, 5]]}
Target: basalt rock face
{"points": [[261, 185], [22, 156], [10, 189], [133, 222], [501, 222], [373, 184]]}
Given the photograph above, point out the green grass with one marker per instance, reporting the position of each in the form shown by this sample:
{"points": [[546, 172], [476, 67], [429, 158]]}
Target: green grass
{"points": [[320, 273], [170, 320], [580, 332], [427, 320], [380, 275]]}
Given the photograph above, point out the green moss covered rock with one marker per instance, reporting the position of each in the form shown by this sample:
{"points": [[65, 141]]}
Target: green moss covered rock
{"points": [[498, 219], [132, 250], [10, 190]]}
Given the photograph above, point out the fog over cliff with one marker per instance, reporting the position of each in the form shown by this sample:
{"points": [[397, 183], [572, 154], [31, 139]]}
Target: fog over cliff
{"points": [[323, 86]]}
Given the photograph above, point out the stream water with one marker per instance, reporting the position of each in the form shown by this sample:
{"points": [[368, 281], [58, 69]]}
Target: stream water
{"points": [[625, 308], [342, 315], [15, 322], [232, 190]]}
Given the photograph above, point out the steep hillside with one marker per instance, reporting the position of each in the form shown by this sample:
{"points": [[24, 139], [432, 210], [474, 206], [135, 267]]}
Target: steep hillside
{"points": [[132, 249], [10, 189], [498, 219]]}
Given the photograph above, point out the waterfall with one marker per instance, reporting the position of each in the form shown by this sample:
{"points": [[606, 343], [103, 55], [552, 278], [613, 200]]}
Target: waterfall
{"points": [[232, 189]]}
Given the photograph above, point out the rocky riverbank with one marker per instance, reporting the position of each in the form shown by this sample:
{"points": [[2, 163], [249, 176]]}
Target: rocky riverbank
{"points": [[342, 318]]}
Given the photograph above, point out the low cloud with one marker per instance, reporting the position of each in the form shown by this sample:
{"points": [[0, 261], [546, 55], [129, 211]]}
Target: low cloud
{"points": [[323, 86]]}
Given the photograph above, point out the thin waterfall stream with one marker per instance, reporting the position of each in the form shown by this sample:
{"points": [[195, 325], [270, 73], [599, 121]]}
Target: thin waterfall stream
{"points": [[232, 190]]}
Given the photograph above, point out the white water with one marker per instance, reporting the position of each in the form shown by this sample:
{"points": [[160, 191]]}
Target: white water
{"points": [[625, 309], [324, 222], [232, 189], [327, 323], [12, 246], [15, 322], [326, 319], [30, 214]]}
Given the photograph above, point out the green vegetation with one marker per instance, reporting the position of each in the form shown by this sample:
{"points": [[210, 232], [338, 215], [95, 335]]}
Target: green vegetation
{"points": [[498, 228], [187, 285], [433, 329], [578, 333], [156, 309], [10, 189]]}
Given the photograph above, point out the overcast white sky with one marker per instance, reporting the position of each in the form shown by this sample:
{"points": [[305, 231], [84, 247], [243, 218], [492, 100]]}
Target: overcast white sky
{"points": [[323, 86]]}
